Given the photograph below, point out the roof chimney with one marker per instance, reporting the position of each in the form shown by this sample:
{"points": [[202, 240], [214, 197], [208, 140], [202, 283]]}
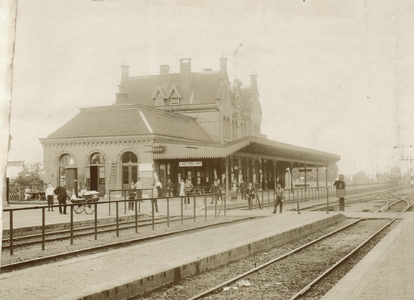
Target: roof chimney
{"points": [[185, 75], [124, 76], [164, 69], [223, 64], [121, 98], [253, 80]]}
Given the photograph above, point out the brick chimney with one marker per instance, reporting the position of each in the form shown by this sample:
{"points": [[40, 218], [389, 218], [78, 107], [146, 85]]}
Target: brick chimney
{"points": [[223, 65], [185, 76], [253, 81], [124, 76], [164, 69], [121, 98]]}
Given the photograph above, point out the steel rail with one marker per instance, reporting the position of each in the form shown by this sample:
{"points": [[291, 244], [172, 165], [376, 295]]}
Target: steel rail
{"points": [[306, 288], [12, 266], [223, 284]]}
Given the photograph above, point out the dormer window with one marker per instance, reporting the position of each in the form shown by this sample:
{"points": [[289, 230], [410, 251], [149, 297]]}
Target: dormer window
{"points": [[174, 100], [159, 101], [174, 95], [159, 96]]}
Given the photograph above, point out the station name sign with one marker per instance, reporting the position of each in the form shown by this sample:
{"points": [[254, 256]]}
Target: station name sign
{"points": [[190, 163], [157, 148]]}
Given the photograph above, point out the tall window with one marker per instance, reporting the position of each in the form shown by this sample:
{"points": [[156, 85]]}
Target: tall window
{"points": [[129, 168], [64, 161], [95, 173]]}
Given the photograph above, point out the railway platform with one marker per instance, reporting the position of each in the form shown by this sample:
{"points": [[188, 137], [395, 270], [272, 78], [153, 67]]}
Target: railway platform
{"points": [[122, 273], [387, 272]]}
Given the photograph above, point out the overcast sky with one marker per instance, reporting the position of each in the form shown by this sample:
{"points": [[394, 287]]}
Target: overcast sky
{"points": [[335, 76]]}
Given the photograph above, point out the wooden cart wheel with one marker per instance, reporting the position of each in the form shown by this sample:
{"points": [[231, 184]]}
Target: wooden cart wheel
{"points": [[78, 208], [89, 206]]}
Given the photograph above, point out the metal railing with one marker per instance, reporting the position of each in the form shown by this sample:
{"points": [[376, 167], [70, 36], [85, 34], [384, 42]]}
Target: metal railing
{"points": [[219, 202]]}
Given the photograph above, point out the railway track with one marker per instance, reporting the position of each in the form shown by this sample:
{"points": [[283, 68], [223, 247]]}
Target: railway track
{"points": [[391, 200], [316, 206], [89, 250], [54, 236]]}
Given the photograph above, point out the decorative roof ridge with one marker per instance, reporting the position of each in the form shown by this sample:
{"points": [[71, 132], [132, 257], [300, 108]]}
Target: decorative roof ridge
{"points": [[137, 107]]}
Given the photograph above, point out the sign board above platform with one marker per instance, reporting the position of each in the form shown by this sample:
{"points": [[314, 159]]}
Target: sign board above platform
{"points": [[190, 163]]}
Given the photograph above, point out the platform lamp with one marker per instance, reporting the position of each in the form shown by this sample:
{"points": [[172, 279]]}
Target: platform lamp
{"points": [[389, 168], [407, 158]]}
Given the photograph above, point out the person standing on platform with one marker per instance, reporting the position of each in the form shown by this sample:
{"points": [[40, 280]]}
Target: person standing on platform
{"points": [[170, 188], [242, 187], [250, 195], [219, 184], [60, 191], [182, 188], [188, 189], [233, 192], [131, 196], [341, 191], [138, 187], [155, 196], [280, 195], [214, 190], [49, 193]]}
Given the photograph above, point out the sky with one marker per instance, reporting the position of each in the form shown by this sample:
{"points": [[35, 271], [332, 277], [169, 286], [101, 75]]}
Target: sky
{"points": [[335, 76]]}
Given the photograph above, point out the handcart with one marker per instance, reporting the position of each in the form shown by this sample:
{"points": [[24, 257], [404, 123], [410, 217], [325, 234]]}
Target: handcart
{"points": [[85, 203]]}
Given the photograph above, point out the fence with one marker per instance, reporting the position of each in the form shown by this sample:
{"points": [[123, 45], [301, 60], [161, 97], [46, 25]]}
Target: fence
{"points": [[17, 192], [151, 205]]}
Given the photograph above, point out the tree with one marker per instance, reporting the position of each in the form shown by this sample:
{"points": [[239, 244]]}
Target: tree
{"points": [[30, 175], [361, 177]]}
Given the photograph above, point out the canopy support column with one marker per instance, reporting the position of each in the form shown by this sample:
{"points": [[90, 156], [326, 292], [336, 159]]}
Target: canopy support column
{"points": [[227, 184]]}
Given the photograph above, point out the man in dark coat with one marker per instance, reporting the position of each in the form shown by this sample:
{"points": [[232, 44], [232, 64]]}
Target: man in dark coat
{"points": [[215, 191], [250, 194], [60, 191], [341, 191]]}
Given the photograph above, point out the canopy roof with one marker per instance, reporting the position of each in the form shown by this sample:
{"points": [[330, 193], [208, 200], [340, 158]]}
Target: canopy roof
{"points": [[248, 145]]}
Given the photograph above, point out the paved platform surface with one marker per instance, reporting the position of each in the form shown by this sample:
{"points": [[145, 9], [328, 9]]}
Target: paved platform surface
{"points": [[79, 277], [386, 273]]}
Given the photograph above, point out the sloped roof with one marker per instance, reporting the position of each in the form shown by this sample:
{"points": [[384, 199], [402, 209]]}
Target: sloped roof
{"points": [[130, 120], [250, 144], [205, 87]]}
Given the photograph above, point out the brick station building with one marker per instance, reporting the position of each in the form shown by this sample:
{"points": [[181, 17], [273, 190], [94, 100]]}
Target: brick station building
{"points": [[192, 125]]}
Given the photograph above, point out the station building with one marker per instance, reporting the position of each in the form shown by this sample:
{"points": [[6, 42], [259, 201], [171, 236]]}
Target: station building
{"points": [[186, 125]]}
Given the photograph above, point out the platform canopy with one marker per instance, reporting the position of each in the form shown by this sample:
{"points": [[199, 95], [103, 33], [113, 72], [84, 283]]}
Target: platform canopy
{"points": [[247, 145]]}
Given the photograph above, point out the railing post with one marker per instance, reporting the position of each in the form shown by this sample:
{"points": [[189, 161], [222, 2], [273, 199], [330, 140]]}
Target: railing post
{"points": [[182, 213], [194, 205], [43, 227], [205, 207], [297, 202], [168, 210], [125, 203], [11, 232], [153, 213], [136, 216], [109, 204], [117, 217], [96, 221], [71, 223], [215, 208]]}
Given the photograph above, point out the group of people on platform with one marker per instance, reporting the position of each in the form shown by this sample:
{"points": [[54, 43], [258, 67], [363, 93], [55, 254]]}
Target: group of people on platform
{"points": [[62, 195], [248, 192]]}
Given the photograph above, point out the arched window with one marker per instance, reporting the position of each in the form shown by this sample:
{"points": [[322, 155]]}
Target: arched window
{"points": [[129, 163], [95, 173], [96, 159], [64, 161]]}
